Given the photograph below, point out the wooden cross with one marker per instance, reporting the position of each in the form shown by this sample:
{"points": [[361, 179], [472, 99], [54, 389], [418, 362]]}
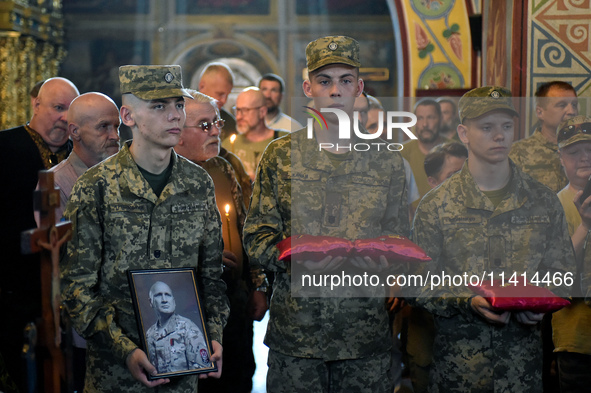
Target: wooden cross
{"points": [[48, 239]]}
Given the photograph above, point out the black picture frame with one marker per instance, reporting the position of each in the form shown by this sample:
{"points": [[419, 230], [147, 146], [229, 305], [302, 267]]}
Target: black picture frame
{"points": [[177, 348]]}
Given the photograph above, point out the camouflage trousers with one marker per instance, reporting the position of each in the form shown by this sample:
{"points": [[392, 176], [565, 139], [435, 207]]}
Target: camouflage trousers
{"points": [[288, 374]]}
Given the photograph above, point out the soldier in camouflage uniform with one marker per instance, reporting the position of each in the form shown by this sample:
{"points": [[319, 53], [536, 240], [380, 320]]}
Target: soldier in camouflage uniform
{"points": [[537, 155], [143, 208], [174, 342], [489, 217], [326, 344]]}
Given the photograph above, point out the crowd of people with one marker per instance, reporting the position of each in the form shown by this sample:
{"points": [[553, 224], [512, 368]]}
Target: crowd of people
{"points": [[200, 187]]}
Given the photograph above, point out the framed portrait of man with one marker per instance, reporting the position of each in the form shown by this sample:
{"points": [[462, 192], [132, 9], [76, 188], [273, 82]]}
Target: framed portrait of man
{"points": [[170, 321]]}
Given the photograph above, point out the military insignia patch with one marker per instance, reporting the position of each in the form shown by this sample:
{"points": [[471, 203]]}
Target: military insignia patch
{"points": [[168, 77], [495, 94], [333, 46]]}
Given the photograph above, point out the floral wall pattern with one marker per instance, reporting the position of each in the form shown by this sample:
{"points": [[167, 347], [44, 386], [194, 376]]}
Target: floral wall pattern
{"points": [[439, 46]]}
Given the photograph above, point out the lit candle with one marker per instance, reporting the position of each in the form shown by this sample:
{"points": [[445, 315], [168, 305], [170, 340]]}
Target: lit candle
{"points": [[228, 226], [232, 140]]}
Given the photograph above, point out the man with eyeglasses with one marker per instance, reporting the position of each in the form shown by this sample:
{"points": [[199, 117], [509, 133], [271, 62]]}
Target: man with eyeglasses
{"points": [[254, 135], [200, 143], [571, 326], [38, 145], [536, 155], [143, 208]]}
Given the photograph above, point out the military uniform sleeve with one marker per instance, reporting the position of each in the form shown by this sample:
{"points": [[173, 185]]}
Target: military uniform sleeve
{"points": [[440, 300], [559, 256], [264, 226], [81, 267], [210, 270], [396, 218]]}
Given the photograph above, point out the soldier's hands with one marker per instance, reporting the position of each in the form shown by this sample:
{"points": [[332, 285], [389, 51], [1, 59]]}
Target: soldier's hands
{"points": [[485, 310], [328, 264], [529, 317], [216, 357], [257, 305], [229, 260], [395, 304], [139, 366], [369, 264]]}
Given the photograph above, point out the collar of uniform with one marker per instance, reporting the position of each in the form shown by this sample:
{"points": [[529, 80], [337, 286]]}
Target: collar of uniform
{"points": [[473, 198], [543, 141], [139, 186]]}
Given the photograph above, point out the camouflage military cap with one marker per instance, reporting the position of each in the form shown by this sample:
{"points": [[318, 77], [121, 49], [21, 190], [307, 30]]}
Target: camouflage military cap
{"points": [[480, 101], [332, 50], [575, 129], [152, 82]]}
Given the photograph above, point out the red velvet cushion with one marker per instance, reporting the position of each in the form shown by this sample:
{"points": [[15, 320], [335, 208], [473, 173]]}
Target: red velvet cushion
{"points": [[315, 248], [519, 297], [392, 247]]}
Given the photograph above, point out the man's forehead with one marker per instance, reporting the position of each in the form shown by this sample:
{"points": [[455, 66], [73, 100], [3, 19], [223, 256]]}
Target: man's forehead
{"points": [[361, 102], [161, 287], [200, 109], [425, 109], [335, 70]]}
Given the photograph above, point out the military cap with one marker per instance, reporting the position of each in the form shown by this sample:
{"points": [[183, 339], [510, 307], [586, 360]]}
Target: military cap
{"points": [[575, 129], [480, 101], [336, 49], [152, 82]]}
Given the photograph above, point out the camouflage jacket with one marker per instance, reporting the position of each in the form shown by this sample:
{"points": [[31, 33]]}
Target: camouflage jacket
{"points": [[298, 190], [538, 157], [179, 345], [120, 224], [457, 225]]}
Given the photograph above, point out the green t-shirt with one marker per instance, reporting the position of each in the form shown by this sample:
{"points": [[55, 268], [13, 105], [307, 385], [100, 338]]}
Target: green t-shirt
{"points": [[159, 181]]}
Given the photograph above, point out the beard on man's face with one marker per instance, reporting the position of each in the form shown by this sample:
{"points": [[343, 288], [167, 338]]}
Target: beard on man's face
{"points": [[428, 136]]}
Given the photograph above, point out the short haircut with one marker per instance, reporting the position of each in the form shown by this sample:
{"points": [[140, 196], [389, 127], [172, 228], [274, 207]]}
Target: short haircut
{"points": [[202, 98], [152, 289], [449, 100], [436, 157], [429, 102], [273, 78], [374, 103], [218, 68], [543, 90]]}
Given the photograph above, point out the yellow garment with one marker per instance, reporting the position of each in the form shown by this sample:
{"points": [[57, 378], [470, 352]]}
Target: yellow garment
{"points": [[571, 326]]}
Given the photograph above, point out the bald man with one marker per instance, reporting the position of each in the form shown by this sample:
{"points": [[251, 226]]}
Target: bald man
{"points": [[217, 81], [254, 135], [27, 149], [93, 126]]}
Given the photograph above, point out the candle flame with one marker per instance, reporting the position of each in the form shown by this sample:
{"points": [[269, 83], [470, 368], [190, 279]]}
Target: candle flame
{"points": [[232, 139], [227, 208]]}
